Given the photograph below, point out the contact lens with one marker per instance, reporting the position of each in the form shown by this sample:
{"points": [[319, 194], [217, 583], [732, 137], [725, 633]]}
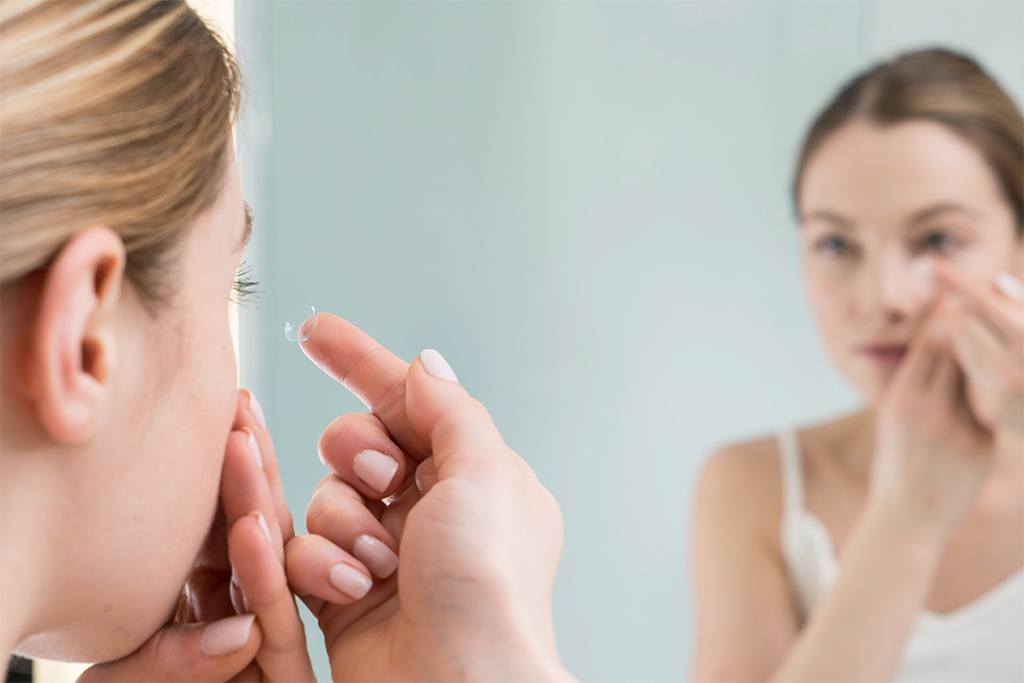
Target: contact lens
{"points": [[300, 325]]}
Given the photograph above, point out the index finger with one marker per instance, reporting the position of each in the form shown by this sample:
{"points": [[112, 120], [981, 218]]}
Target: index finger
{"points": [[999, 312], [370, 371]]}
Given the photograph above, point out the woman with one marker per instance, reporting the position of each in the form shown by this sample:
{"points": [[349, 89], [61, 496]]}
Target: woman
{"points": [[889, 544], [131, 463]]}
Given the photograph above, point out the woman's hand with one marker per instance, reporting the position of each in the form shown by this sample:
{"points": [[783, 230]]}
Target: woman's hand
{"points": [[932, 452], [478, 536], [236, 619], [935, 447], [988, 342]]}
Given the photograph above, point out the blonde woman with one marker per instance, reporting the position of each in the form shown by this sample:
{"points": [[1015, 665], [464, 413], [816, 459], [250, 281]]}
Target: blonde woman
{"points": [[889, 544], [131, 464]]}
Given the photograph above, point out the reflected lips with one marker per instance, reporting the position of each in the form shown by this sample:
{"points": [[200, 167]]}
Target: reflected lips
{"points": [[886, 355]]}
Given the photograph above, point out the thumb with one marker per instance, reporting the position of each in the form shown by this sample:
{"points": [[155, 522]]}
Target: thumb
{"points": [[463, 439], [212, 652]]}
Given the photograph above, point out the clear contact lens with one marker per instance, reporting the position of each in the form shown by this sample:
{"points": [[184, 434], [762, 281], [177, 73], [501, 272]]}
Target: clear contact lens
{"points": [[300, 325]]}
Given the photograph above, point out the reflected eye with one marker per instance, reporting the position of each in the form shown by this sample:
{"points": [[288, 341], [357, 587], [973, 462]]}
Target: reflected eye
{"points": [[834, 245], [939, 242], [245, 286]]}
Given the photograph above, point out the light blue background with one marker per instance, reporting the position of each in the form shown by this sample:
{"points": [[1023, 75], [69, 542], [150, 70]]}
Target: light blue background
{"points": [[585, 207]]}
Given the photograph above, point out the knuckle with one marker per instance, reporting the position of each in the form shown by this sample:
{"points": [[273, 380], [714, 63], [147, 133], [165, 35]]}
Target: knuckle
{"points": [[159, 654], [455, 417]]}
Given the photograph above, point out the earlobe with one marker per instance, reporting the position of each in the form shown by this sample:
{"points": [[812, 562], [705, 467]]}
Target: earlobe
{"points": [[73, 342]]}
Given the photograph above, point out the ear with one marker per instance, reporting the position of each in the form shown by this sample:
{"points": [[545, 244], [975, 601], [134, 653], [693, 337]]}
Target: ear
{"points": [[73, 342]]}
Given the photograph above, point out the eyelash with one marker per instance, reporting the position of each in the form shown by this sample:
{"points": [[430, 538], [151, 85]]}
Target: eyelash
{"points": [[244, 287], [839, 247], [833, 245], [951, 242]]}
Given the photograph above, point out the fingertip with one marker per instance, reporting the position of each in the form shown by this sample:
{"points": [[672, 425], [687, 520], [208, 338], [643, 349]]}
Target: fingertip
{"points": [[1010, 286], [426, 476], [228, 636], [437, 366]]}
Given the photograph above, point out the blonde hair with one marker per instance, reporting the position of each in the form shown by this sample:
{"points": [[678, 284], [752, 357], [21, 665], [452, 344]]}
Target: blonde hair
{"points": [[112, 112]]}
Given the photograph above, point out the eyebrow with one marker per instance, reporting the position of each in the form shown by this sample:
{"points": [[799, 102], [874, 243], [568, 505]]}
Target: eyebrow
{"points": [[247, 231], [828, 217], [919, 216], [940, 208]]}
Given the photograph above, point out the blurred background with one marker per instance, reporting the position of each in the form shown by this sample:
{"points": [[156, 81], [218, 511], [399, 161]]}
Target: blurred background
{"points": [[585, 207]]}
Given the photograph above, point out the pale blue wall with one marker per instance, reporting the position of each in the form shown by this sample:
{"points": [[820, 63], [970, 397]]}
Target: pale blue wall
{"points": [[584, 206]]}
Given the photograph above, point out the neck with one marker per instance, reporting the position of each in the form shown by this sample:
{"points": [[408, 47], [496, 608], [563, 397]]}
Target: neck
{"points": [[852, 439], [23, 567]]}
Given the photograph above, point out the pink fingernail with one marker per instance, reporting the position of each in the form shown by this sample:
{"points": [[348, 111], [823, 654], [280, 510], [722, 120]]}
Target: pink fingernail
{"points": [[243, 600], [263, 525], [1010, 286], [350, 580], [257, 410], [435, 364], [254, 449], [375, 468], [376, 555], [923, 273], [425, 475], [226, 636]]}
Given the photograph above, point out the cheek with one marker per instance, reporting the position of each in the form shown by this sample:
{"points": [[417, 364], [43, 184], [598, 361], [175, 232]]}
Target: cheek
{"points": [[831, 295], [214, 383], [984, 261]]}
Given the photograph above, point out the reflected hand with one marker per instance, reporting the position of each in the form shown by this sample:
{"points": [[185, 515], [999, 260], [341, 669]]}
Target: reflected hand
{"points": [[988, 342], [932, 455]]}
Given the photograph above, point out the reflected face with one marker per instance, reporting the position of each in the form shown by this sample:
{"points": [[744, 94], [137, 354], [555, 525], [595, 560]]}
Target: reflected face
{"points": [[874, 201]]}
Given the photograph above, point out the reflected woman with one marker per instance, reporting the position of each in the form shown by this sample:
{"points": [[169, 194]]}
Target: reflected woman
{"points": [[889, 544]]}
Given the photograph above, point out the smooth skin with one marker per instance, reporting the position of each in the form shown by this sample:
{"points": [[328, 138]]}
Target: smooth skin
{"points": [[477, 535], [919, 491], [125, 436], [99, 571], [240, 571]]}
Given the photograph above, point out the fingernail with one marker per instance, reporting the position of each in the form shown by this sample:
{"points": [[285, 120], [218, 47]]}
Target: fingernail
{"points": [[1010, 286], [425, 475], [376, 555], [263, 525], [226, 636], [242, 598], [350, 580], [375, 468], [437, 366], [254, 448], [257, 410], [922, 270], [923, 273]]}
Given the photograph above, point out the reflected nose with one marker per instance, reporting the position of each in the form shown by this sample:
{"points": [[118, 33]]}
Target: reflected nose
{"points": [[897, 288]]}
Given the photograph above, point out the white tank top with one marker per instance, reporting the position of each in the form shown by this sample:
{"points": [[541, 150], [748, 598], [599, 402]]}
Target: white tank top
{"points": [[981, 642]]}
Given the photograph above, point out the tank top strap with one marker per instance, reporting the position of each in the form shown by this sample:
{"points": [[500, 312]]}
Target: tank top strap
{"points": [[792, 472]]}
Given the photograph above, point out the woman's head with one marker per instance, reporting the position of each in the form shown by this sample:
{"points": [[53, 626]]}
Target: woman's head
{"points": [[920, 156], [122, 228]]}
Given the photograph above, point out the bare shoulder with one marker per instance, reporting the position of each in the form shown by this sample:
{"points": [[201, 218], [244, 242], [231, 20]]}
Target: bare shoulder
{"points": [[741, 480], [738, 566]]}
